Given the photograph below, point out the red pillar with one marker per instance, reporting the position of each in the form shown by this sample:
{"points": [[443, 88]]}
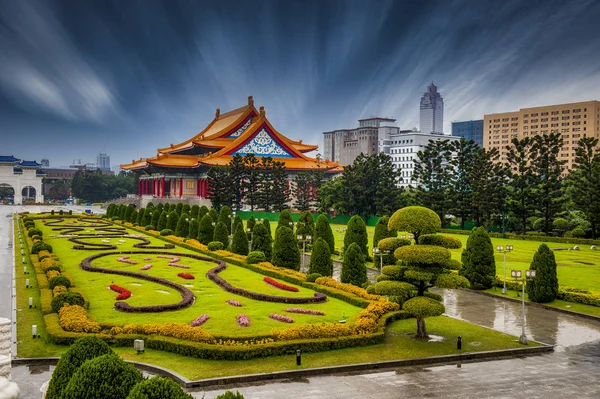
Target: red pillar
{"points": [[162, 190], [180, 187]]}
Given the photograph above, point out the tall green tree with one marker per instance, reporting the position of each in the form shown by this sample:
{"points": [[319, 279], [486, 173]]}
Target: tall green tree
{"points": [[203, 211], [156, 215], [221, 234], [262, 241], [354, 270], [226, 217], [280, 189], [133, 217], [193, 229], [544, 287], [219, 187], [285, 249], [206, 230], [521, 180], [309, 224], [214, 215], [238, 172], [461, 178], [267, 225], [584, 181], [323, 230], [320, 259], [162, 221], [265, 181], [285, 219], [172, 220], [239, 242], [356, 232], [382, 231], [478, 263], [488, 180], [194, 211], [250, 224], [182, 228], [302, 191], [252, 181]]}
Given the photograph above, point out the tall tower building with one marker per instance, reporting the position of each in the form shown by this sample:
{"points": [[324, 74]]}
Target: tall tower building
{"points": [[432, 111], [103, 162]]}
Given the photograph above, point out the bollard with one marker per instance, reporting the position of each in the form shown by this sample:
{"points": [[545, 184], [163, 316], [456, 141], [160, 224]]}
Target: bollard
{"points": [[34, 330], [30, 302], [26, 283], [298, 357], [459, 342]]}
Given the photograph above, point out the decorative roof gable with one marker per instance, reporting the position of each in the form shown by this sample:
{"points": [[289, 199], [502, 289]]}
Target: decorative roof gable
{"points": [[237, 133], [263, 144]]}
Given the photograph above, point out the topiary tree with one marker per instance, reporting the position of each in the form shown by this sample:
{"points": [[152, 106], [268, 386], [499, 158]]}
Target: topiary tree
{"points": [[150, 205], [308, 224], [72, 298], [421, 307], [162, 221], [193, 229], [320, 259], [560, 226], [250, 225], [145, 216], [214, 215], [179, 208], [106, 376], [285, 219], [255, 257], [382, 231], [239, 242], [440, 240], [578, 232], [225, 217], [221, 234], [323, 230], [172, 220], [156, 215], [478, 263], [159, 207], [398, 291], [389, 245], [133, 217], [416, 220], [285, 250], [82, 350], [356, 232], [59, 280], [451, 280], [194, 211], [422, 264], [182, 229], [186, 209], [206, 231], [140, 215], [262, 241], [267, 224], [158, 388], [237, 221], [354, 270], [544, 287], [215, 246]]}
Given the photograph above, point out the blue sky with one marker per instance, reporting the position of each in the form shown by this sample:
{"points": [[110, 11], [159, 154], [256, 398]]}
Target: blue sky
{"points": [[127, 77]]}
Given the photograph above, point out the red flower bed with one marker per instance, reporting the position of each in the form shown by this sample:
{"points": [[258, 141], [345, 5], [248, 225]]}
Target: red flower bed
{"points": [[186, 276], [280, 285], [124, 293]]}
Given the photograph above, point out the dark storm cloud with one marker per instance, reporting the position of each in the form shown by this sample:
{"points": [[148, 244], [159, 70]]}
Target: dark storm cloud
{"points": [[131, 76]]}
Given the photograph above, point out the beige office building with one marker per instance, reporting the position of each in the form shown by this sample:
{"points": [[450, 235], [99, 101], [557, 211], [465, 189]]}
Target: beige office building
{"points": [[573, 121]]}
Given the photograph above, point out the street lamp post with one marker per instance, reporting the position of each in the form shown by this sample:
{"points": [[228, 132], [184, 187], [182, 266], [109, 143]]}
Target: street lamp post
{"points": [[232, 216], [504, 250], [529, 274], [303, 240], [381, 253], [249, 231]]}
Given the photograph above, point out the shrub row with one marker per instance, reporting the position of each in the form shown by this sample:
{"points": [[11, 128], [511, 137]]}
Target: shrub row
{"points": [[530, 237], [585, 297]]}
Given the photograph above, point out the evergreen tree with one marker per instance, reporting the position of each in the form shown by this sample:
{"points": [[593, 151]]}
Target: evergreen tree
{"points": [[150, 205], [206, 230], [285, 250], [182, 228], [237, 220], [225, 217], [239, 243], [478, 263], [133, 217], [186, 208], [585, 181], [193, 230], [544, 287], [267, 225], [521, 180], [488, 180], [302, 191], [214, 215], [461, 178], [285, 219], [320, 259], [179, 208], [237, 180], [382, 231], [250, 224], [162, 221], [221, 234], [159, 207], [309, 223], [265, 186], [252, 181], [219, 186], [261, 240], [281, 186], [354, 270], [323, 230], [173, 208], [172, 220], [145, 216], [140, 215], [203, 211], [356, 232], [194, 211], [156, 217]]}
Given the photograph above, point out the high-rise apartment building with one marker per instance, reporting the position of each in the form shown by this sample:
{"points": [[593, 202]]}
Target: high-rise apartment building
{"points": [[573, 121], [432, 111], [344, 145], [103, 162], [470, 130]]}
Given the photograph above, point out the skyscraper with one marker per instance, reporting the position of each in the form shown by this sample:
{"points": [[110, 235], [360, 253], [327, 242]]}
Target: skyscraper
{"points": [[103, 162], [432, 111]]}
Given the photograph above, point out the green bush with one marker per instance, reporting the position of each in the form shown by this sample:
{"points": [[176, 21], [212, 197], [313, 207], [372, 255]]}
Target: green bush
{"points": [[36, 237], [312, 277], [166, 232], [179, 208], [416, 220], [225, 218], [578, 232], [183, 225], [82, 350], [158, 388], [206, 230], [250, 223], [72, 298], [193, 228], [215, 246], [440, 240], [421, 307], [47, 269], [285, 219], [394, 272], [221, 234], [35, 232], [239, 242], [133, 217], [237, 221], [172, 220], [320, 259], [434, 296], [389, 245], [285, 250], [230, 395], [149, 227], [204, 211], [356, 232], [59, 280], [478, 262], [354, 270], [186, 209], [106, 376], [61, 212], [194, 211], [308, 221], [267, 224], [262, 241], [453, 264], [451, 280], [423, 255], [401, 291], [162, 221], [576, 295], [544, 287], [323, 230], [40, 246], [560, 225], [255, 257], [214, 215], [382, 231]]}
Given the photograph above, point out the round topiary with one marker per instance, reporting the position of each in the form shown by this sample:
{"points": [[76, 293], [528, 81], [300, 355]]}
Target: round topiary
{"points": [[421, 307], [440, 240], [389, 245], [453, 264], [158, 388], [215, 246], [149, 227], [311, 278], [41, 246], [82, 350], [423, 255], [416, 220], [255, 257], [452, 281], [578, 232], [72, 298], [166, 232], [107, 376], [59, 280], [393, 272], [433, 295], [402, 291]]}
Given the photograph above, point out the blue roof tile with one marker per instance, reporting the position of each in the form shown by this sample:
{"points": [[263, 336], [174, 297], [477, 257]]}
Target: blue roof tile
{"points": [[6, 158]]}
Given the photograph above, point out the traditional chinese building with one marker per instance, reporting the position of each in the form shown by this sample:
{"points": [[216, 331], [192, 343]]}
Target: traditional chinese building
{"points": [[22, 178], [180, 170]]}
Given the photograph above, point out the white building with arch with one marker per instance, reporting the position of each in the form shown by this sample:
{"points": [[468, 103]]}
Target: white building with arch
{"points": [[24, 177]]}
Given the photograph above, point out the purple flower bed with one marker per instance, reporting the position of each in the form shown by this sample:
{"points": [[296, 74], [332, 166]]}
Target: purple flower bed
{"points": [[280, 317], [199, 321], [124, 259], [147, 258], [146, 267], [179, 265], [233, 302], [305, 311], [243, 320]]}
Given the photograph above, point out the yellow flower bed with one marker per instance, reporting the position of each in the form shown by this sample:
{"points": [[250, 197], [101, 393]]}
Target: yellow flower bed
{"points": [[360, 292], [59, 289], [52, 273], [74, 318], [175, 330]]}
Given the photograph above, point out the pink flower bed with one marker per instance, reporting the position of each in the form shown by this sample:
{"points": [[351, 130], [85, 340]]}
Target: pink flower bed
{"points": [[233, 302], [199, 321], [242, 320], [279, 285], [280, 317], [146, 267], [179, 265], [147, 258], [164, 257], [305, 311], [124, 259]]}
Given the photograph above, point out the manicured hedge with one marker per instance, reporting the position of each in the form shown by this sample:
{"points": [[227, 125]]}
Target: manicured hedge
{"points": [[440, 240]]}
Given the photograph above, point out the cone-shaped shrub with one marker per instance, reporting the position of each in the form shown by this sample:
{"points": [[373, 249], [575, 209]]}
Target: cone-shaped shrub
{"points": [[544, 287], [193, 230], [172, 220], [159, 207], [478, 263], [250, 225], [213, 214], [186, 209], [206, 231], [225, 217], [323, 230], [382, 231], [285, 218], [133, 217], [194, 212], [262, 241], [354, 270], [309, 224], [179, 208], [173, 208], [140, 216], [357, 233], [416, 220], [237, 220], [158, 388], [182, 228], [320, 259], [150, 205], [239, 242], [285, 250], [267, 224], [156, 217], [221, 234]]}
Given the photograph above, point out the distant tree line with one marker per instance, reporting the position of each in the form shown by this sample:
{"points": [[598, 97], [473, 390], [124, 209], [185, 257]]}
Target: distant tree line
{"points": [[93, 186]]}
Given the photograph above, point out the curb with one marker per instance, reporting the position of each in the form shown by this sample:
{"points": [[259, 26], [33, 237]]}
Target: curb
{"points": [[534, 304], [282, 375]]}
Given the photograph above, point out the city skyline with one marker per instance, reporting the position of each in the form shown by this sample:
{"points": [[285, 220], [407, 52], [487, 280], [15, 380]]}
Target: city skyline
{"points": [[81, 77]]}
